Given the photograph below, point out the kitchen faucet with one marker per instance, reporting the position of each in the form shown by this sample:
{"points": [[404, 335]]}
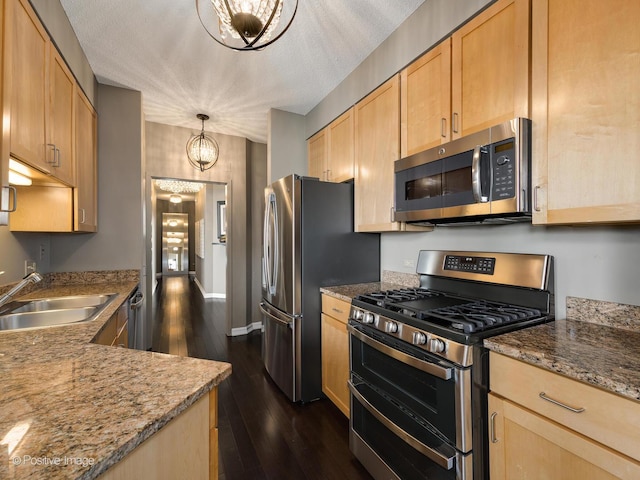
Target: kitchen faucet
{"points": [[33, 277]]}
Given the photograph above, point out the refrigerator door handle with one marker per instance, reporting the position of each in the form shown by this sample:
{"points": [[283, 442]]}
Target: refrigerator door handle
{"points": [[265, 245], [286, 323], [271, 253], [270, 263]]}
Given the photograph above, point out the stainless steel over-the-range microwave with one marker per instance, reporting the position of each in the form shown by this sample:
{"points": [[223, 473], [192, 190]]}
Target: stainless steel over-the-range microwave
{"points": [[484, 176]]}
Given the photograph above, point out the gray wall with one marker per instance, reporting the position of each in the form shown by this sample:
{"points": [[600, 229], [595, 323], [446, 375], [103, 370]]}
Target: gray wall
{"points": [[287, 148], [591, 262], [16, 248], [258, 183], [118, 242]]}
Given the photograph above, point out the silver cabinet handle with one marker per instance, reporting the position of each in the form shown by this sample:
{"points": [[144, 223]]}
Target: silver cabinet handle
{"points": [[15, 200], [443, 127], [337, 310], [560, 404], [442, 460], [56, 157], [84, 215], [536, 207], [492, 427], [454, 123]]}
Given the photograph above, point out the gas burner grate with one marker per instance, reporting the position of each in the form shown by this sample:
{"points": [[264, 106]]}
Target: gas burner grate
{"points": [[482, 315], [387, 298]]}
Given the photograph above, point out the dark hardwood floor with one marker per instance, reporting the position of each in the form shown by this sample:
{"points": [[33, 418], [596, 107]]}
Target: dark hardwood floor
{"points": [[262, 435]]}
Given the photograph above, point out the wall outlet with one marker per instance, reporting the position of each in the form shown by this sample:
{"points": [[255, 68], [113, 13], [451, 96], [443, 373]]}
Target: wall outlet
{"points": [[410, 263], [43, 251], [29, 267]]}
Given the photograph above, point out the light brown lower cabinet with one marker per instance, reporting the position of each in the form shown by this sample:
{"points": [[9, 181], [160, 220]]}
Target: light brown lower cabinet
{"points": [[546, 426], [186, 447], [335, 351]]}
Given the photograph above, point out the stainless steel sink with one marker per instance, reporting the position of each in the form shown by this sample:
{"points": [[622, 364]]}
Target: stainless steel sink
{"points": [[48, 312], [57, 303]]}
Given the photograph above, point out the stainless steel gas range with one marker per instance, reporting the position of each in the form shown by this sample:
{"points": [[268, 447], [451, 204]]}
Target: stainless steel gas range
{"points": [[419, 373]]}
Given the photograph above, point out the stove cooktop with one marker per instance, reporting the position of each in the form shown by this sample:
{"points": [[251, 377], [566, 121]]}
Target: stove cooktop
{"points": [[451, 312]]}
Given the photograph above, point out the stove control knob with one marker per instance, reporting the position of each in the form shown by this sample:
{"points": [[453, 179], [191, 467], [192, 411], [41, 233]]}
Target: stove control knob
{"points": [[437, 346], [391, 327], [357, 314], [367, 317], [419, 338]]}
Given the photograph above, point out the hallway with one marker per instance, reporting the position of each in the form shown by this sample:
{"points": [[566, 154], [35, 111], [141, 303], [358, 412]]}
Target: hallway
{"points": [[262, 434]]}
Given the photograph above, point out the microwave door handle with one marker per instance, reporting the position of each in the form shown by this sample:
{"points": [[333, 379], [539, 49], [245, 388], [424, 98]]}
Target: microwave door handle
{"points": [[476, 170]]}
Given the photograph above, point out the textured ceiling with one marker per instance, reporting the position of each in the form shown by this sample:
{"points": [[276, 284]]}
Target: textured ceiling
{"points": [[160, 48]]}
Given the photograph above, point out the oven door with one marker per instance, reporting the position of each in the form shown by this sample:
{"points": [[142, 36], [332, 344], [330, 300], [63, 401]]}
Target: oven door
{"points": [[410, 412]]}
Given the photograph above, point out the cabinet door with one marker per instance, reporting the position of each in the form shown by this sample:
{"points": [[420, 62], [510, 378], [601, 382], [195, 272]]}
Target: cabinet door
{"points": [[86, 191], [60, 126], [490, 67], [425, 101], [586, 111], [377, 122], [335, 362], [340, 148], [28, 49], [317, 155], [524, 445]]}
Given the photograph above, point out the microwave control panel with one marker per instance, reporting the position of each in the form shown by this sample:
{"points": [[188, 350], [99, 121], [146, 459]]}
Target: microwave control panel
{"points": [[503, 155]]}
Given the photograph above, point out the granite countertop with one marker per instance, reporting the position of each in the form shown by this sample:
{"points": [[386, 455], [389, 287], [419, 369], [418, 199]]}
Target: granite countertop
{"points": [[390, 281], [597, 345], [65, 398]]}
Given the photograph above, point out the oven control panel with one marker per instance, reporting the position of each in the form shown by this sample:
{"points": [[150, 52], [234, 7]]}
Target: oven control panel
{"points": [[442, 347], [459, 263]]}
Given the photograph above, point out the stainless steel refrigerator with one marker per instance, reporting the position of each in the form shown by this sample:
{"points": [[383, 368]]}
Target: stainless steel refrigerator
{"points": [[308, 243]]}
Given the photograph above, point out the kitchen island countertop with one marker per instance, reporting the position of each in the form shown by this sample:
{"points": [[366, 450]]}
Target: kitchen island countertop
{"points": [[589, 346], [72, 409]]}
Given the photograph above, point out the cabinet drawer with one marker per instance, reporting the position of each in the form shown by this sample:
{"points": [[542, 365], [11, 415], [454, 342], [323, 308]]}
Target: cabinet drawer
{"points": [[338, 309], [605, 417]]}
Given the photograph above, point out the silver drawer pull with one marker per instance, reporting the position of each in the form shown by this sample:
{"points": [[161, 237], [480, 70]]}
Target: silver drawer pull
{"points": [[560, 404], [492, 427], [337, 310]]}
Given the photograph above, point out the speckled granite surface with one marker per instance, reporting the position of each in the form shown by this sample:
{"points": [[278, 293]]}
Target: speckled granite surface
{"points": [[66, 398], [611, 314], [390, 280], [580, 348]]}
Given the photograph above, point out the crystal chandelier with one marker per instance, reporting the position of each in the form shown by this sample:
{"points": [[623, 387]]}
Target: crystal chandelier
{"points": [[202, 150], [246, 24], [179, 186]]}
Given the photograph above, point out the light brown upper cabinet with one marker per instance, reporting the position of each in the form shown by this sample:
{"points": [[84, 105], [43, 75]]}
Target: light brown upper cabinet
{"points": [[586, 111], [60, 127], [340, 148], [331, 150], [425, 101], [377, 122], [27, 49], [317, 155], [490, 73], [85, 215]]}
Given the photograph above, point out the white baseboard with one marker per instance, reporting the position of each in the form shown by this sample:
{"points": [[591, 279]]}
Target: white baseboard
{"points": [[235, 332], [208, 294]]}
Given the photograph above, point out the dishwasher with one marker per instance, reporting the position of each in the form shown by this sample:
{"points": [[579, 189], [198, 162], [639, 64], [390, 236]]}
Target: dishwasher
{"points": [[134, 302]]}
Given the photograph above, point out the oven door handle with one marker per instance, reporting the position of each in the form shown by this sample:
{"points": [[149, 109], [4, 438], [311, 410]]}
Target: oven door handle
{"points": [[427, 367], [442, 460]]}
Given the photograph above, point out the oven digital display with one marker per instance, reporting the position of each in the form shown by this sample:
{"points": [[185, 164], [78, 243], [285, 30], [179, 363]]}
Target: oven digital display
{"points": [[483, 265], [505, 146]]}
